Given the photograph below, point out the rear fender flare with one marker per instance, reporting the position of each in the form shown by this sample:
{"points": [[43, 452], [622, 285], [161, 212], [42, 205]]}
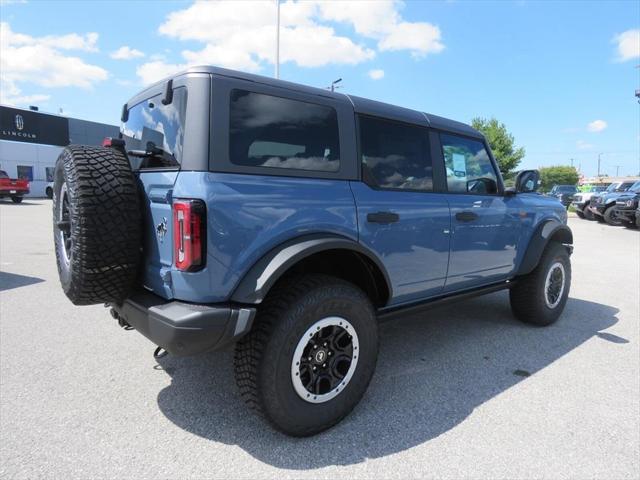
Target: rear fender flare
{"points": [[257, 282]]}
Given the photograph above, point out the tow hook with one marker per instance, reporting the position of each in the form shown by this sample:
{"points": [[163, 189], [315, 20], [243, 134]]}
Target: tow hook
{"points": [[121, 321]]}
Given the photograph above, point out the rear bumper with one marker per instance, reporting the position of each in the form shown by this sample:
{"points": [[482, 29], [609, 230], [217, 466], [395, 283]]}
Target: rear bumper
{"points": [[185, 328], [14, 192]]}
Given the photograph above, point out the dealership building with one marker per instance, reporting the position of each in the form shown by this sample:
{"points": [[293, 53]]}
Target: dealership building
{"points": [[30, 142]]}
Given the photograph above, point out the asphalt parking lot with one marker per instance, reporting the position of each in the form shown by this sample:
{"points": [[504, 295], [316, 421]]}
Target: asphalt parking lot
{"points": [[464, 391]]}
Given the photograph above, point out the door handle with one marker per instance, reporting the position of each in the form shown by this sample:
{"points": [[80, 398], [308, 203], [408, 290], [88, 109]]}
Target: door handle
{"points": [[466, 216], [382, 217]]}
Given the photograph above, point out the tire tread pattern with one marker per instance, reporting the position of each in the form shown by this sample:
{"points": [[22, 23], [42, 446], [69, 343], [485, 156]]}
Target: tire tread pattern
{"points": [[106, 223]]}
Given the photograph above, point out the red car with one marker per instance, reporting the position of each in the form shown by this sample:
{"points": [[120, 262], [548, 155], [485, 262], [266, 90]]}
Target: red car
{"points": [[12, 187]]}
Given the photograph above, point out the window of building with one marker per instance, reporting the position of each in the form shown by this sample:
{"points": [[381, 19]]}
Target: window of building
{"points": [[469, 168], [395, 155], [275, 132], [25, 172], [154, 127]]}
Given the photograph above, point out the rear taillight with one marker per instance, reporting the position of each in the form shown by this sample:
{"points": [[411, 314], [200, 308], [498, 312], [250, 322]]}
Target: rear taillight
{"points": [[189, 234]]}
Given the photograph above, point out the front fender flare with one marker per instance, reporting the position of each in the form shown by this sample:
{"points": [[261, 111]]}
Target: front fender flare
{"points": [[539, 240], [257, 282]]}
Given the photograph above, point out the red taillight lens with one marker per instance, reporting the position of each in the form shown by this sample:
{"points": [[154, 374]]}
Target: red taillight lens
{"points": [[188, 234]]}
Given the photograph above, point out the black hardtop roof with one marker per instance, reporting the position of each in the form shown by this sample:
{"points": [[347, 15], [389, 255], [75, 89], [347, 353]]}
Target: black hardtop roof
{"points": [[360, 105]]}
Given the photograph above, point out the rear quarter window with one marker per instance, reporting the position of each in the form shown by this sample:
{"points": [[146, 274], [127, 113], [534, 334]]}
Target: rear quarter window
{"points": [[280, 133]]}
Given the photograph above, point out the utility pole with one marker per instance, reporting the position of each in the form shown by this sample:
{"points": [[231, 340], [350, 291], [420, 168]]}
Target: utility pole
{"points": [[277, 38], [571, 160], [617, 169]]}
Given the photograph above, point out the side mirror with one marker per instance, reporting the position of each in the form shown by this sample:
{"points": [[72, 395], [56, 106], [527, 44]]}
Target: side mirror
{"points": [[527, 181]]}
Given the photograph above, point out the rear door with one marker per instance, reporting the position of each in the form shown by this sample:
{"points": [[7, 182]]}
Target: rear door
{"points": [[485, 224], [154, 135], [400, 217]]}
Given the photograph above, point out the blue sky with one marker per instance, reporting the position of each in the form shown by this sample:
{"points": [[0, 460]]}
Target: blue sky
{"points": [[560, 75]]}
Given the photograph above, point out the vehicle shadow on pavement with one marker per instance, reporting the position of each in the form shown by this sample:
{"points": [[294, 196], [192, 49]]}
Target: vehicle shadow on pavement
{"points": [[13, 280], [433, 371]]}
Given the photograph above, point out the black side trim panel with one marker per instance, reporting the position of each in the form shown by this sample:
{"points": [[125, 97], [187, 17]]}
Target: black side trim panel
{"points": [[539, 241], [253, 288]]}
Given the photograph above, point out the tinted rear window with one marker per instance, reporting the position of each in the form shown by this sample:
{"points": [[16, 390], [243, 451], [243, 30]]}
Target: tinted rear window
{"points": [[152, 124], [275, 132]]}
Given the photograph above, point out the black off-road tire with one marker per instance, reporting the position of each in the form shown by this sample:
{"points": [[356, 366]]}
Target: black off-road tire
{"points": [[579, 213], [263, 358], [98, 241], [587, 214], [527, 296], [630, 224], [611, 218], [16, 199]]}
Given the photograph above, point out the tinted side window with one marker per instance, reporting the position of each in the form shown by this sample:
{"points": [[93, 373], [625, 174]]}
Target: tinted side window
{"points": [[152, 124], [275, 132], [395, 155], [469, 168]]}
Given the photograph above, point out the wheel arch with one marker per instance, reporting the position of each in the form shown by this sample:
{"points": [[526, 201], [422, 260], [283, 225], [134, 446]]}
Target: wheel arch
{"points": [[548, 231], [330, 254]]}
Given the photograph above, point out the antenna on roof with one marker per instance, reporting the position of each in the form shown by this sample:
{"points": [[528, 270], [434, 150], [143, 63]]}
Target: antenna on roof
{"points": [[334, 85]]}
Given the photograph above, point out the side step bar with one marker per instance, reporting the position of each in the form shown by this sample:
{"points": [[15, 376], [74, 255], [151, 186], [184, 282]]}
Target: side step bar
{"points": [[396, 311]]}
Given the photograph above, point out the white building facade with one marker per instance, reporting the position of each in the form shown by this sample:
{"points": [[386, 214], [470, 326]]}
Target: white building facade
{"points": [[31, 141]]}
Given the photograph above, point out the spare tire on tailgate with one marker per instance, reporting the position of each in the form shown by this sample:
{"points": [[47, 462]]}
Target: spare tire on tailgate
{"points": [[96, 224]]}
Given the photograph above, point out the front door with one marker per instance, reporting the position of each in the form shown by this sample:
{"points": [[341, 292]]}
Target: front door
{"points": [[399, 216], [485, 229]]}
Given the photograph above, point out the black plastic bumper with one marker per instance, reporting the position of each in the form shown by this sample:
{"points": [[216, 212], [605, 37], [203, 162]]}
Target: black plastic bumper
{"points": [[185, 328]]}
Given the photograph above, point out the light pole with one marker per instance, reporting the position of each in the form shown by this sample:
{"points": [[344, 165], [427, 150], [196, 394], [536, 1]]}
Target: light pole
{"points": [[599, 155], [617, 169], [334, 85], [277, 38]]}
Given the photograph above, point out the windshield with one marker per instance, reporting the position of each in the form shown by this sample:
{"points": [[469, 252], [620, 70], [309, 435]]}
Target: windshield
{"points": [[613, 187], [566, 189], [623, 187], [635, 188]]}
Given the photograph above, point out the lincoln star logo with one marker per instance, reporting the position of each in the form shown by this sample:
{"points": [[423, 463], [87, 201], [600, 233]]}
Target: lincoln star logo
{"points": [[19, 122]]}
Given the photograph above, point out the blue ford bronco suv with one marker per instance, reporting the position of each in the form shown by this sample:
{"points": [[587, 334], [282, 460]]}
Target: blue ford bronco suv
{"points": [[290, 220]]}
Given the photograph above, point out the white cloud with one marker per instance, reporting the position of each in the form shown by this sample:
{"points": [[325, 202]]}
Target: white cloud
{"points": [[241, 35], [42, 61], [376, 74], [153, 71], [597, 126], [582, 145], [628, 45], [126, 53]]}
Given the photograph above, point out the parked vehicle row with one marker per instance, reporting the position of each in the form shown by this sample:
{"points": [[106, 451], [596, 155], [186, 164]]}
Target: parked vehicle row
{"points": [[617, 205]]}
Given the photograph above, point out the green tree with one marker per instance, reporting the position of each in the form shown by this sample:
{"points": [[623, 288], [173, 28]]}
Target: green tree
{"points": [[502, 144], [558, 175]]}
